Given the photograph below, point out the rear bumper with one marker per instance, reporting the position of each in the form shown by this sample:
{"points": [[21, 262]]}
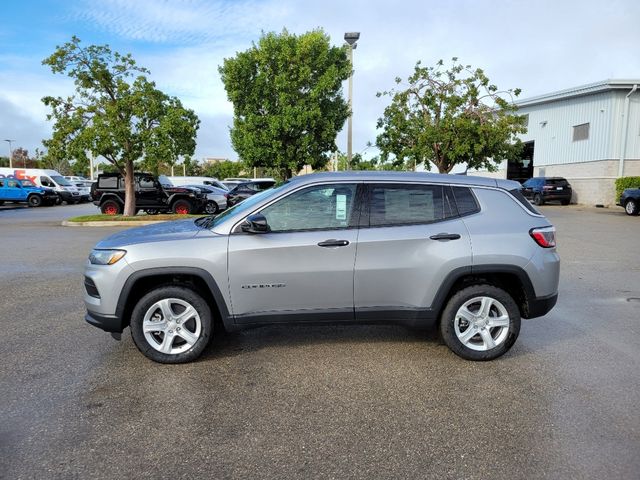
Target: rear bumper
{"points": [[540, 306], [108, 323]]}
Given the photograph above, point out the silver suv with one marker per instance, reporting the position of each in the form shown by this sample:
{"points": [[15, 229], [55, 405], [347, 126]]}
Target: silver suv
{"points": [[469, 255]]}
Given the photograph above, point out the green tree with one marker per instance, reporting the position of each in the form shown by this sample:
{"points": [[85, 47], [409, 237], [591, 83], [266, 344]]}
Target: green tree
{"points": [[224, 169], [448, 117], [287, 97], [116, 113]]}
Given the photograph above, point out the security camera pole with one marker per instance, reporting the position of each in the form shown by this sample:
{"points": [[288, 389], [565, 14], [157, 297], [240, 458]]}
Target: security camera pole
{"points": [[351, 38]]}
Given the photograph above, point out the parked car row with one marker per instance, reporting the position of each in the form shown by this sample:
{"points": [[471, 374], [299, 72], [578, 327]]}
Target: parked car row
{"points": [[182, 195]]}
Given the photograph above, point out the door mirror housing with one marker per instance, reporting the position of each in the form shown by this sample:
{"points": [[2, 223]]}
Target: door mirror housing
{"points": [[256, 223]]}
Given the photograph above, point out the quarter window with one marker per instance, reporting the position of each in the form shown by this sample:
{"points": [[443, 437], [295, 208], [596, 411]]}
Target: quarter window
{"points": [[322, 207], [405, 204], [465, 201]]}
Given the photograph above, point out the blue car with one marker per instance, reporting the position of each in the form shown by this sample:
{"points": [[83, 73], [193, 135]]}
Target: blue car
{"points": [[630, 200], [25, 191]]}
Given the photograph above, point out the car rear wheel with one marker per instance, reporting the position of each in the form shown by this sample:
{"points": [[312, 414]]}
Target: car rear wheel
{"points": [[211, 208], [182, 207], [631, 207], [537, 199], [34, 200], [480, 322], [110, 207], [171, 324]]}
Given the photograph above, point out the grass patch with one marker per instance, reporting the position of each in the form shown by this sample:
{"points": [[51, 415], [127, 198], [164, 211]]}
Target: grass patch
{"points": [[135, 218]]}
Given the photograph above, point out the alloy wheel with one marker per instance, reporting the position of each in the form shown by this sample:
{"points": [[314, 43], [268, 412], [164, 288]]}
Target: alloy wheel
{"points": [[482, 323], [171, 326]]}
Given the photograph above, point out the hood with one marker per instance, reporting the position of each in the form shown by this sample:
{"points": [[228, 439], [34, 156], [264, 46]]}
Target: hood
{"points": [[159, 232]]}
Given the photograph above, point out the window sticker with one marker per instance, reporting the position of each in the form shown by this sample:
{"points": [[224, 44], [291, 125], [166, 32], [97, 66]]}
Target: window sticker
{"points": [[341, 207]]}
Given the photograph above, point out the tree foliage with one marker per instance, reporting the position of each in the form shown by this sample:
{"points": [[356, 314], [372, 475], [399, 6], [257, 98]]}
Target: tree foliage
{"points": [[448, 117], [223, 169], [287, 97], [116, 113]]}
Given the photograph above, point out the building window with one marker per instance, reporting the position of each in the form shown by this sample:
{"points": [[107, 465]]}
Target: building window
{"points": [[580, 132], [525, 119]]}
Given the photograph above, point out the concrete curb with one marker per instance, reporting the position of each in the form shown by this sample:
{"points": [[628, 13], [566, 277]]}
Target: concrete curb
{"points": [[112, 223]]}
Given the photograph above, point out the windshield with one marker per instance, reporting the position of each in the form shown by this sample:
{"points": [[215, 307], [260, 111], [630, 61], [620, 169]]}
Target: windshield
{"points": [[27, 183], [243, 206], [60, 181]]}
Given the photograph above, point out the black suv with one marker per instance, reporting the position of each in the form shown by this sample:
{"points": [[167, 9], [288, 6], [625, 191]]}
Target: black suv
{"points": [[545, 189], [246, 189], [151, 196]]}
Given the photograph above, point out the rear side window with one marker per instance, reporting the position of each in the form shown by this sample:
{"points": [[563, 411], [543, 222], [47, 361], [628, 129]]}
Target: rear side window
{"points": [[12, 183], [465, 200], [405, 204], [516, 192], [1, 182], [108, 182]]}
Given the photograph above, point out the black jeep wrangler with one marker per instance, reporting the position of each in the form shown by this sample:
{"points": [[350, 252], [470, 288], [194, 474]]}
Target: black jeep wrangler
{"points": [[151, 196]]}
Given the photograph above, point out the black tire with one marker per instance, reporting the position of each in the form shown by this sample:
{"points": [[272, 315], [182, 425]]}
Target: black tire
{"points": [[564, 202], [151, 211], [182, 207], [110, 207], [1, 202], [211, 208], [34, 200], [172, 292], [631, 207], [537, 199], [448, 320]]}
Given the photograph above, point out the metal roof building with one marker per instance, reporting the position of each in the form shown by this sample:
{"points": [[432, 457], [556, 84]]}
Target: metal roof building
{"points": [[588, 134]]}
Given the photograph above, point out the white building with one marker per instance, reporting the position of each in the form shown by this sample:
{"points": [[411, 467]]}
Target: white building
{"points": [[589, 134]]}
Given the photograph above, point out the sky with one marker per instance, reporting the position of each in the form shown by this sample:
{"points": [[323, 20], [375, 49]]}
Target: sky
{"points": [[539, 46]]}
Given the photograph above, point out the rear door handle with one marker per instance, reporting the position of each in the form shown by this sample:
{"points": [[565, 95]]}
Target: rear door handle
{"points": [[334, 243], [445, 236]]}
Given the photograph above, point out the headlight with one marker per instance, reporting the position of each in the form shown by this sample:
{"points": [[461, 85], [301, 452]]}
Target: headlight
{"points": [[106, 257]]}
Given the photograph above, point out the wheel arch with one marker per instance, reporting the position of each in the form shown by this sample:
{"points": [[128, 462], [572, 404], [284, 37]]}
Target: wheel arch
{"points": [[110, 196], [513, 279], [143, 281]]}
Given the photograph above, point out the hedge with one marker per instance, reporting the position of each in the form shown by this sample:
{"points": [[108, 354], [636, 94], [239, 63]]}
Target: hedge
{"points": [[623, 183]]}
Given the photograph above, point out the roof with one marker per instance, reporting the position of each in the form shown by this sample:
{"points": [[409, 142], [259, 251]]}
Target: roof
{"points": [[378, 176], [582, 90]]}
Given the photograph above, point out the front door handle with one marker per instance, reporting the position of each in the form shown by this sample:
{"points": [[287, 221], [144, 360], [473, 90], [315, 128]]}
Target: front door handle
{"points": [[334, 243], [445, 236]]}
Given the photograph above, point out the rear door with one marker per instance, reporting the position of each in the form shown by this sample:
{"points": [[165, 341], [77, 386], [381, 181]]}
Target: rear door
{"points": [[304, 265], [14, 190], [410, 241]]}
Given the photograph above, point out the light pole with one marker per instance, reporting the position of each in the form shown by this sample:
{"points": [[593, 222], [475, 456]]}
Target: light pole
{"points": [[10, 153], [351, 38]]}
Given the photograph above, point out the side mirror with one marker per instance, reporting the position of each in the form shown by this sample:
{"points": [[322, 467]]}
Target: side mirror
{"points": [[255, 223]]}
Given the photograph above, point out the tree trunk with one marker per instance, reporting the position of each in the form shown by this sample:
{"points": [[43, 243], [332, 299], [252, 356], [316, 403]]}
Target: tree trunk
{"points": [[129, 190]]}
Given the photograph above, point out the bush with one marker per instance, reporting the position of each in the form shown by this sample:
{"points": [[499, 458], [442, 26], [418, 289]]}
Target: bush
{"points": [[623, 183]]}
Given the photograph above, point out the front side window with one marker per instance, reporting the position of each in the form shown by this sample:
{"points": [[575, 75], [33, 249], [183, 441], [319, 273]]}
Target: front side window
{"points": [[27, 183], [321, 207], [46, 182], [147, 182], [405, 204]]}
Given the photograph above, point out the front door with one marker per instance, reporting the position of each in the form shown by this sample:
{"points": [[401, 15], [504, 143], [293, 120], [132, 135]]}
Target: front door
{"points": [[413, 240], [304, 264], [146, 192]]}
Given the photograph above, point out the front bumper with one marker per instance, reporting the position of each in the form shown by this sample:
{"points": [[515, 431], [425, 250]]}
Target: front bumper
{"points": [[67, 196]]}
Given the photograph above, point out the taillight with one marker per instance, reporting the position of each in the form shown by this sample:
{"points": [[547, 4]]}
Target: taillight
{"points": [[544, 236]]}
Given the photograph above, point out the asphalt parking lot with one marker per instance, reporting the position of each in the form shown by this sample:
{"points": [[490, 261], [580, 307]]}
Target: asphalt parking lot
{"points": [[320, 402]]}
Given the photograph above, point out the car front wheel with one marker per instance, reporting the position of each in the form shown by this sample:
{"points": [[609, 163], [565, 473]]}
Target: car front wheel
{"points": [[34, 201], [171, 324], [480, 322], [631, 207], [182, 207]]}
